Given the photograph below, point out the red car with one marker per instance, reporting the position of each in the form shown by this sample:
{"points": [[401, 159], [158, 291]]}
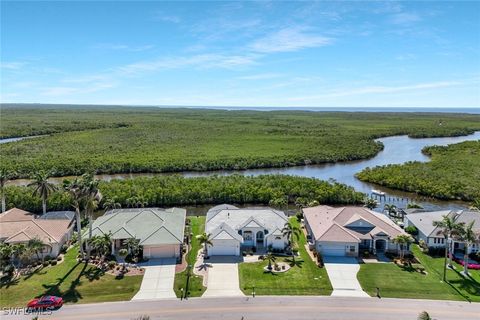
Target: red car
{"points": [[45, 302]]}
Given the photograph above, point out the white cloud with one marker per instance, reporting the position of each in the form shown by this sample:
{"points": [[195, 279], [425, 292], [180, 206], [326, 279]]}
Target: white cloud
{"points": [[124, 47], [261, 76], [64, 91], [289, 39], [404, 18], [12, 65]]}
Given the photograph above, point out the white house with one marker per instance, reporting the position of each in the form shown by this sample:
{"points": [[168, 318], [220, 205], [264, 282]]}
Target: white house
{"points": [[232, 228], [346, 231], [432, 236]]}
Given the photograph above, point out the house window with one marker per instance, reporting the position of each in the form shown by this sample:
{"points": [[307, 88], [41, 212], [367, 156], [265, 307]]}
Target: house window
{"points": [[443, 241], [240, 232], [278, 238], [247, 235], [352, 249]]}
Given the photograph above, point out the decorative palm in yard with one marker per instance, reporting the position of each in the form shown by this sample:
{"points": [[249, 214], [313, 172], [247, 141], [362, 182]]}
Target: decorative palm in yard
{"points": [[448, 228], [370, 203], [35, 246], [74, 188], [102, 244], [205, 240], [468, 237], [42, 187], [290, 232], [133, 246], [404, 241], [391, 209], [271, 259]]}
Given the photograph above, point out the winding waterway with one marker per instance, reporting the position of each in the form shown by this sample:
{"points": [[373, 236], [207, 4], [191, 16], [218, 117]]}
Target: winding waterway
{"points": [[397, 149]]}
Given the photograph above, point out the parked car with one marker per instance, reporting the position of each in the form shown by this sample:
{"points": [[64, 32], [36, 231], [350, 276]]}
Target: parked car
{"points": [[45, 302]]}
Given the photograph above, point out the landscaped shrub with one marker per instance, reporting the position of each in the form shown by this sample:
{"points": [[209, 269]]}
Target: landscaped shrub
{"points": [[47, 258], [45, 263], [111, 264], [53, 262], [412, 230]]}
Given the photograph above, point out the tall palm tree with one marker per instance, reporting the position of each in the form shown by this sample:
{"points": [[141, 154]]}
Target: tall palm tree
{"points": [[468, 236], [19, 250], [92, 198], [291, 232], [76, 191], [42, 188], [36, 246], [205, 240], [271, 259], [403, 240], [4, 177], [448, 228], [133, 246], [102, 243]]}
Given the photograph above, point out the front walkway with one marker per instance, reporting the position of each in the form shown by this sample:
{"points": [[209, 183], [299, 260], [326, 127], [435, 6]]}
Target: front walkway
{"points": [[223, 277], [342, 272], [158, 280]]}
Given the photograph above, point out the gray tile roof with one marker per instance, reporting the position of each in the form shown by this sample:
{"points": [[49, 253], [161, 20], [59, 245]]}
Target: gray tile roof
{"points": [[424, 221], [236, 218], [152, 226]]}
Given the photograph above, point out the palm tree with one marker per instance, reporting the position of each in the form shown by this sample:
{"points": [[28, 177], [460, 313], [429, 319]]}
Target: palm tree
{"points": [[468, 236], [448, 228], [36, 246], [370, 203], [290, 232], [76, 192], [43, 188], [102, 243], [110, 204], [205, 240], [271, 259], [133, 246], [92, 198], [4, 177], [19, 250], [403, 240], [391, 209]]}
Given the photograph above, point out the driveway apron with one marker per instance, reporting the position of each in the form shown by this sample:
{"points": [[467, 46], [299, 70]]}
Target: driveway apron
{"points": [[158, 280], [223, 277], [342, 272]]}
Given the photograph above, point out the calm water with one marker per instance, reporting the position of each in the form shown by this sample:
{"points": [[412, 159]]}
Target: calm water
{"points": [[398, 149]]}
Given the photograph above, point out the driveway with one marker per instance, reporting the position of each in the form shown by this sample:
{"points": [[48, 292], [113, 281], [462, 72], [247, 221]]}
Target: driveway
{"points": [[158, 280], [342, 272], [222, 279]]}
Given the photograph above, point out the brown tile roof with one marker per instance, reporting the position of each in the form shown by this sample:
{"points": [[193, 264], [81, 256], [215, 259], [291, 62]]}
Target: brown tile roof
{"points": [[331, 224], [23, 229]]}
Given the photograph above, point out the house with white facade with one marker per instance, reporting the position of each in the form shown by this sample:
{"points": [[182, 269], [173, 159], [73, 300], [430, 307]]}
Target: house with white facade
{"points": [[432, 235], [346, 231], [232, 229]]}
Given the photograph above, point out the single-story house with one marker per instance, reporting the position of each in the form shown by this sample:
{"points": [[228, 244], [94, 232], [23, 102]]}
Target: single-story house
{"points": [[432, 236], [19, 226], [346, 231], [232, 228], [160, 231], [58, 215]]}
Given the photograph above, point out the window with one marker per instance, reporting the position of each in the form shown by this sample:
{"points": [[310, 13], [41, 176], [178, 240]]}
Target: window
{"points": [[240, 232], [247, 235], [278, 238], [352, 248]]}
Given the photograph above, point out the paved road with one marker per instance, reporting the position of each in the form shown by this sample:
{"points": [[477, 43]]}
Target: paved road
{"points": [[261, 308], [342, 272], [222, 280], [158, 280]]}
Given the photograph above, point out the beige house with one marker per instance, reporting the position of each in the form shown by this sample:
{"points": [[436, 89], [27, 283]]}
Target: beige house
{"points": [[160, 231], [346, 231], [19, 226]]}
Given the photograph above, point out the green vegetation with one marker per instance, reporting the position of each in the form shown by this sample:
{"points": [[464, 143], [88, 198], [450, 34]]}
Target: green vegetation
{"points": [[452, 173], [304, 278], [124, 140], [177, 190], [405, 282], [196, 288], [74, 281]]}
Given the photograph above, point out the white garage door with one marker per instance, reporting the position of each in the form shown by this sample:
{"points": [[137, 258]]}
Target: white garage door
{"points": [[333, 250], [159, 251], [224, 248]]}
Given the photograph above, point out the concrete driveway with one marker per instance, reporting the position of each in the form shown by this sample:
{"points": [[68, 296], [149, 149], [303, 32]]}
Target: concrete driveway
{"points": [[222, 279], [342, 272], [158, 280]]}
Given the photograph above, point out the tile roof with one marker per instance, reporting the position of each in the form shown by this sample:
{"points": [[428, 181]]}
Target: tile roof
{"points": [[334, 224], [237, 218], [152, 226], [17, 225], [424, 221]]}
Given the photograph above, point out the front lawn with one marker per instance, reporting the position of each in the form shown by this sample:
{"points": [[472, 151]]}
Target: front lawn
{"points": [[397, 282], [75, 282], [196, 287], [305, 278]]}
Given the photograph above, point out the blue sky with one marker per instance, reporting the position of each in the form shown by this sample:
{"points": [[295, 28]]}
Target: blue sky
{"points": [[325, 54]]}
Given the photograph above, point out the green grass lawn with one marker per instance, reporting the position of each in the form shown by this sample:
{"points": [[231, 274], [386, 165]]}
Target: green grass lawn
{"points": [[196, 287], [396, 282], [75, 282], [305, 278]]}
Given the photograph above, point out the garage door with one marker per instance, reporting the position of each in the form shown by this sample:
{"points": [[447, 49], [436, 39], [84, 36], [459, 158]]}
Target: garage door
{"points": [[159, 251], [333, 250], [224, 248]]}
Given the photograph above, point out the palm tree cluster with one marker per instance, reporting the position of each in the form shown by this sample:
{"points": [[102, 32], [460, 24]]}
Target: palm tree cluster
{"points": [[291, 232], [19, 251]]}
